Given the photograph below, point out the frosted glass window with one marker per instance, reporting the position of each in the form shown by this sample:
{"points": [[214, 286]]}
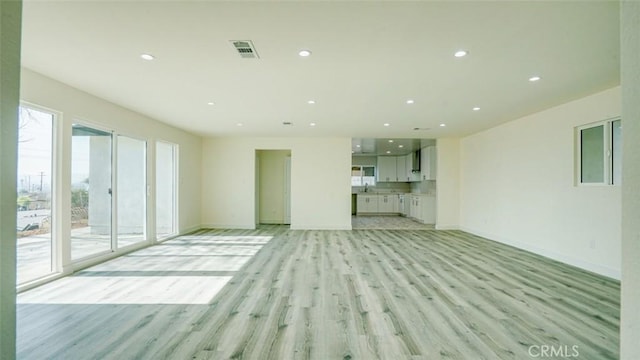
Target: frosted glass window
{"points": [[369, 176], [363, 175], [592, 155]]}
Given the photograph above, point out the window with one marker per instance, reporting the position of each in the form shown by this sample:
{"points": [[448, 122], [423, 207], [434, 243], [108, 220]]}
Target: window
{"points": [[91, 190], [363, 175], [131, 190], [165, 189], [599, 149], [35, 250]]}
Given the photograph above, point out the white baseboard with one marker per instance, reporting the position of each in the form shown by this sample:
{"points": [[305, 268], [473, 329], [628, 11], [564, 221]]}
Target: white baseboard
{"points": [[586, 265], [447, 227], [320, 227], [228, 226]]}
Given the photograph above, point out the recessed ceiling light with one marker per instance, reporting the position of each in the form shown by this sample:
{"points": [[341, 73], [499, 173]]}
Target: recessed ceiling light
{"points": [[311, 102], [388, 152], [239, 124], [443, 125], [304, 53], [534, 78], [476, 108], [390, 141], [386, 124], [357, 145], [410, 101], [210, 103], [147, 56], [400, 146], [460, 53], [312, 124]]}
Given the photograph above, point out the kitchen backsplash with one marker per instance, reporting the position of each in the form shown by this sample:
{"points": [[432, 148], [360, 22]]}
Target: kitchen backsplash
{"points": [[424, 187]]}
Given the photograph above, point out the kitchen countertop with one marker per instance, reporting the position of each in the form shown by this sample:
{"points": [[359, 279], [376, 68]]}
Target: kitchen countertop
{"points": [[390, 193]]}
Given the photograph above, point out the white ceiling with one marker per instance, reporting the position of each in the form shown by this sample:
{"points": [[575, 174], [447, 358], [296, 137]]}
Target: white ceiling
{"points": [[367, 59]]}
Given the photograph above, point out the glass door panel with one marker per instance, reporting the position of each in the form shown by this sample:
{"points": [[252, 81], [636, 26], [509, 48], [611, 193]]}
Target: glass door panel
{"points": [[165, 189], [35, 163], [131, 190], [91, 163]]}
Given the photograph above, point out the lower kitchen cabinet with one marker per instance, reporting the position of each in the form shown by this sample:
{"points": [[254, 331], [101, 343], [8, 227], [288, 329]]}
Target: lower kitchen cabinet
{"points": [[428, 211], [420, 207], [367, 204], [388, 204], [423, 208], [415, 211], [403, 201]]}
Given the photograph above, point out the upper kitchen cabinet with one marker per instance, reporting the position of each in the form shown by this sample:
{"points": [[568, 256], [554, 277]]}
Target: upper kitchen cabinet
{"points": [[412, 174], [387, 169], [398, 168], [428, 165], [401, 169]]}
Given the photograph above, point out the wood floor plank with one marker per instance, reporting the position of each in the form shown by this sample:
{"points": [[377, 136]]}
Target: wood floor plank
{"points": [[275, 293]]}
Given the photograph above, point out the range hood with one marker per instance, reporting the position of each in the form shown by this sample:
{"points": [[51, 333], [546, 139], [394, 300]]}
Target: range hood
{"points": [[415, 162]]}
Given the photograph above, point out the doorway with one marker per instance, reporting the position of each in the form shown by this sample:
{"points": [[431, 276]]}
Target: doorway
{"points": [[273, 187]]}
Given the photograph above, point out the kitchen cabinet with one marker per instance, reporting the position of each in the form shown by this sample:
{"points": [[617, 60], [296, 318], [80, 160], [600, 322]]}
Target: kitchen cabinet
{"points": [[397, 169], [387, 169], [388, 204], [428, 209], [415, 211], [403, 201], [423, 208], [428, 165], [410, 176], [367, 203], [401, 169]]}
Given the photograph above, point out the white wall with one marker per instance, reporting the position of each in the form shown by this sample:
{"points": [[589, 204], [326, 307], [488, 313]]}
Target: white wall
{"points": [[448, 184], [517, 187], [630, 75], [320, 181], [10, 25]]}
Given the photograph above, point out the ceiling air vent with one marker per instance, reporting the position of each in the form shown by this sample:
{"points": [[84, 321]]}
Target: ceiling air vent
{"points": [[421, 129], [245, 48], [287, 123]]}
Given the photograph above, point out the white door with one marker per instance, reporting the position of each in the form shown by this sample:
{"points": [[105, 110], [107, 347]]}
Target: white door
{"points": [[287, 190]]}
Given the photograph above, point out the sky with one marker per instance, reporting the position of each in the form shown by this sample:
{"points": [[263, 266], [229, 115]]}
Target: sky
{"points": [[35, 151]]}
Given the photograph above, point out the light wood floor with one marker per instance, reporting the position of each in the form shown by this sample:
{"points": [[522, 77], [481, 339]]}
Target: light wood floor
{"points": [[275, 293], [387, 222]]}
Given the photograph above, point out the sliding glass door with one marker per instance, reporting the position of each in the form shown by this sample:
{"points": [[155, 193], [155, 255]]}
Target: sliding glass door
{"points": [[35, 184], [91, 190], [166, 154], [131, 190]]}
